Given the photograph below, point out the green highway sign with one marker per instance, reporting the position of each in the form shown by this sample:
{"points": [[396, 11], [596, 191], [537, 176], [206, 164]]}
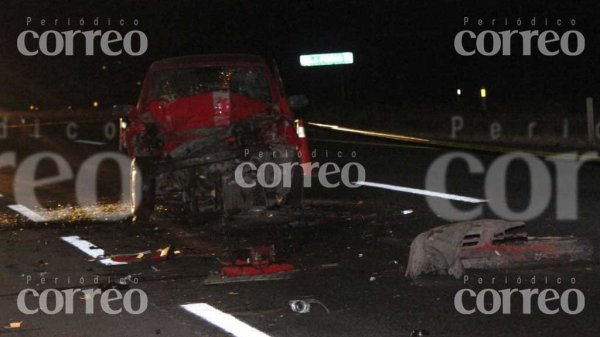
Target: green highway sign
{"points": [[328, 59]]}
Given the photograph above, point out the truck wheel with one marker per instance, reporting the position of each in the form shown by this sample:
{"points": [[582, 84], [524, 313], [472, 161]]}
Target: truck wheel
{"points": [[143, 185], [191, 199], [296, 192]]}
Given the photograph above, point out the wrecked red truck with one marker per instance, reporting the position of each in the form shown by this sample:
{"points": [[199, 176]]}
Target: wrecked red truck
{"points": [[196, 120]]}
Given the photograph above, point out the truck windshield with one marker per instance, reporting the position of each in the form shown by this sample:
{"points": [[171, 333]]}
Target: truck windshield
{"points": [[176, 83]]}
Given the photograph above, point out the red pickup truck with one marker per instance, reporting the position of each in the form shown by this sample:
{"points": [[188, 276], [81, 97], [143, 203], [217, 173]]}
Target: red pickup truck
{"points": [[197, 119]]}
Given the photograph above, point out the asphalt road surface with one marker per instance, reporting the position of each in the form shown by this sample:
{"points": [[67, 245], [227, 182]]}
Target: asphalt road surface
{"points": [[351, 244]]}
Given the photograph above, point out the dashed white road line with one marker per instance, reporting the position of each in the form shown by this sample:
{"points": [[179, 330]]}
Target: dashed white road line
{"points": [[422, 192], [89, 142], [90, 249], [27, 212], [224, 321]]}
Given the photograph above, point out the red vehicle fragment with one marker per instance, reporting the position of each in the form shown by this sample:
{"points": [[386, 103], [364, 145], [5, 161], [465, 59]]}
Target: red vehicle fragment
{"points": [[253, 264], [490, 244]]}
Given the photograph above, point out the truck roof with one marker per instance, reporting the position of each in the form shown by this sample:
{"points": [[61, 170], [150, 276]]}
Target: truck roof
{"points": [[208, 61]]}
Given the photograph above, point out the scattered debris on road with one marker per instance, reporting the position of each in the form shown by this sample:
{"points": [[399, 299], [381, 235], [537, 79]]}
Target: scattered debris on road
{"points": [[158, 255], [14, 325], [303, 306], [252, 264], [419, 333], [489, 244]]}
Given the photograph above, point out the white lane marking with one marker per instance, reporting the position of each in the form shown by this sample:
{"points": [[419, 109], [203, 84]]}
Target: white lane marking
{"points": [[89, 142], [30, 214], [90, 249], [422, 192], [224, 321]]}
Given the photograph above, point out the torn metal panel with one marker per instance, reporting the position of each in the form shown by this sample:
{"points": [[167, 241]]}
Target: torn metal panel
{"points": [[531, 251], [489, 244], [253, 264]]}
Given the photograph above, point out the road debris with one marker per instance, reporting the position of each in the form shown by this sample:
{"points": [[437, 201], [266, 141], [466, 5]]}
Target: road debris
{"points": [[326, 266], [252, 264], [489, 244], [303, 306], [14, 325], [158, 255], [419, 333]]}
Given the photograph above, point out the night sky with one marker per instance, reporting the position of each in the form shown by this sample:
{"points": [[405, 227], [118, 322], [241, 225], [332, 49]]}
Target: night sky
{"points": [[404, 52]]}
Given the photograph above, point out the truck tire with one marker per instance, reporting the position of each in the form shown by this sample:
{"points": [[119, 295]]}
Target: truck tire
{"points": [[296, 192], [143, 188]]}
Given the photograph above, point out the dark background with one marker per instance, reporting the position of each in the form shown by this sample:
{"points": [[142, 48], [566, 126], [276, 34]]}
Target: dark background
{"points": [[404, 54]]}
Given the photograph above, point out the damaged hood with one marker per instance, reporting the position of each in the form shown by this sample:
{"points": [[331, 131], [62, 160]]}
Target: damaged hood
{"points": [[177, 119], [217, 108]]}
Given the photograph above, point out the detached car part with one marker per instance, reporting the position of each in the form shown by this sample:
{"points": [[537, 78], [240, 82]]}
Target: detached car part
{"points": [[490, 244], [252, 265]]}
